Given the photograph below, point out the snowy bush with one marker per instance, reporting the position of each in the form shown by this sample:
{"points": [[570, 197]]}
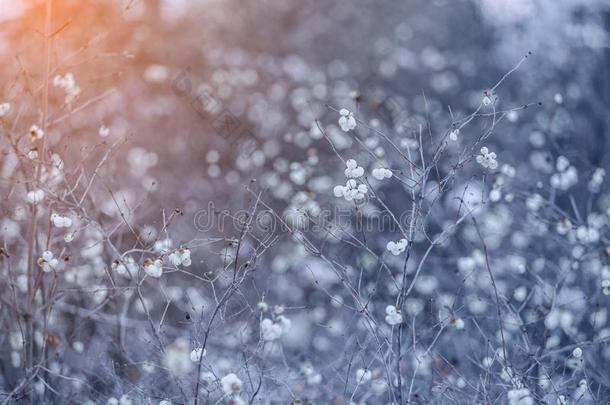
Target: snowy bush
{"points": [[345, 202]]}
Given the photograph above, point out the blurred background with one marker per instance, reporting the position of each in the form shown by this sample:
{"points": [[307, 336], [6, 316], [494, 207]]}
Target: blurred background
{"points": [[218, 100], [276, 66]]}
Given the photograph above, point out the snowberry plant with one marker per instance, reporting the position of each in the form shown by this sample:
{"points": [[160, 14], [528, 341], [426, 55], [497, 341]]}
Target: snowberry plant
{"points": [[86, 262], [369, 242]]}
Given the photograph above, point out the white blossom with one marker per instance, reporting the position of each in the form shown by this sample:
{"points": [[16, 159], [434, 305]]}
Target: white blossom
{"points": [[508, 170], [262, 306], [153, 268], [270, 330], [558, 98], [520, 396], [68, 84], [495, 195], [60, 221], [352, 169], [125, 400], [35, 196], [4, 109], [48, 262], [33, 153], [559, 318], [458, 323], [230, 383], [140, 160], [606, 287], [352, 191], [381, 173], [566, 175], [453, 135], [587, 234], [162, 245], [119, 267], [577, 353], [581, 390], [520, 293], [397, 248], [197, 353], [177, 356], [273, 330], [339, 191], [363, 375], [564, 226], [78, 346], [315, 132], [313, 377], [393, 316], [180, 257], [507, 374], [487, 159], [36, 132], [104, 131], [347, 122], [489, 97], [534, 202]]}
